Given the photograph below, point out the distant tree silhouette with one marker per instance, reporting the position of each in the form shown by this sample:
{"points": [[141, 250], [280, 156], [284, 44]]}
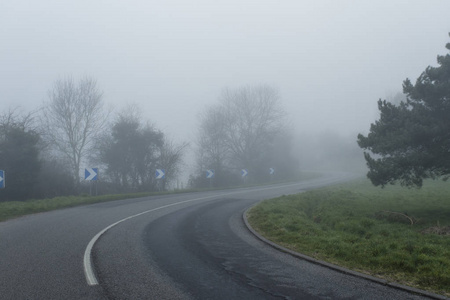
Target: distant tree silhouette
{"points": [[19, 156]]}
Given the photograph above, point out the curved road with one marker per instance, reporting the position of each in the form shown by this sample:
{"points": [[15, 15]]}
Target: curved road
{"points": [[186, 246]]}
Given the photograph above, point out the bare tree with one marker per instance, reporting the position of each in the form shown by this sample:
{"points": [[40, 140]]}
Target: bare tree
{"points": [[213, 152], [72, 118], [239, 132], [171, 159], [16, 117], [254, 117]]}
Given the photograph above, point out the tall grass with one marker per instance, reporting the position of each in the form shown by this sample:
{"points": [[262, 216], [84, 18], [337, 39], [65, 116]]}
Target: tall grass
{"points": [[391, 233]]}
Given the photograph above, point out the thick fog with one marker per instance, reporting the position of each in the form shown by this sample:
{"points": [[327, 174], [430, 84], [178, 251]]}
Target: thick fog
{"points": [[330, 60]]}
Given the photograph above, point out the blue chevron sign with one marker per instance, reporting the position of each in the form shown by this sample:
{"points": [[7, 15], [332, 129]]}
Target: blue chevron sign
{"points": [[209, 173], [91, 174], [160, 174]]}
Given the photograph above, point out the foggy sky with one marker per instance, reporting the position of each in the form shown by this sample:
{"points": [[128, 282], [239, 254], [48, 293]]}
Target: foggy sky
{"points": [[331, 60]]}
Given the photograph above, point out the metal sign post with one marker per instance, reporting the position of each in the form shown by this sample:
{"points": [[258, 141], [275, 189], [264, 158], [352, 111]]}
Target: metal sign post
{"points": [[2, 179], [160, 175], [210, 176], [244, 173], [91, 174]]}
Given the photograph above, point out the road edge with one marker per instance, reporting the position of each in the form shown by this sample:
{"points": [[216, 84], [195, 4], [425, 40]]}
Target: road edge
{"points": [[336, 267]]}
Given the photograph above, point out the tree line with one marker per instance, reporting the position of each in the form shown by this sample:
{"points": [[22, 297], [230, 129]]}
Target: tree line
{"points": [[44, 153], [247, 129]]}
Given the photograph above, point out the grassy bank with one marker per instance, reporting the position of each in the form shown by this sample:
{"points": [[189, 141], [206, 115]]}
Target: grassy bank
{"points": [[13, 209], [393, 233]]}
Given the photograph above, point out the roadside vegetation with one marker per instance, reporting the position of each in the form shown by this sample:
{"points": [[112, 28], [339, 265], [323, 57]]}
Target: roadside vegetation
{"points": [[395, 233], [14, 209]]}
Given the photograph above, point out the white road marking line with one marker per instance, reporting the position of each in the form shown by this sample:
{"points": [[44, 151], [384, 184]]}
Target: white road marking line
{"points": [[87, 262]]}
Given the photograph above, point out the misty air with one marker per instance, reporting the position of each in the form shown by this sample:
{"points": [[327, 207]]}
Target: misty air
{"points": [[224, 149]]}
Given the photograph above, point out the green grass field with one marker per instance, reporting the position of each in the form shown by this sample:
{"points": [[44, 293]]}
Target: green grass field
{"points": [[394, 233]]}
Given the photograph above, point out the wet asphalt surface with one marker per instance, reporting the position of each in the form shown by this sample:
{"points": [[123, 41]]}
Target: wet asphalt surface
{"points": [[199, 249]]}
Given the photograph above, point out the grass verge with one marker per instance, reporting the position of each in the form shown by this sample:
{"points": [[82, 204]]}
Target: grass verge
{"points": [[14, 209], [398, 234]]}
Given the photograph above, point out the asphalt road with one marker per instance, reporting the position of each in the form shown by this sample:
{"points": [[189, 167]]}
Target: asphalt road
{"points": [[186, 246]]}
